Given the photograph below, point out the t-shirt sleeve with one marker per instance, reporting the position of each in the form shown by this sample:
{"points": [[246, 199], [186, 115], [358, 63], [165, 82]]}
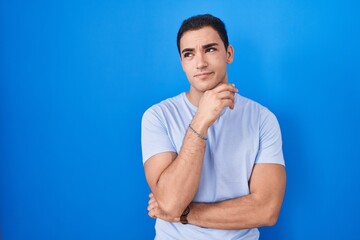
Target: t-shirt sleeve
{"points": [[154, 135], [270, 147]]}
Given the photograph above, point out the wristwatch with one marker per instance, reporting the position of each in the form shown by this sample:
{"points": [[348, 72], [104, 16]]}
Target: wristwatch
{"points": [[183, 217]]}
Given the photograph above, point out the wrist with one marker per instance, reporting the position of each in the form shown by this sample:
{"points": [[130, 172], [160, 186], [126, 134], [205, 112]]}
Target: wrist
{"points": [[184, 215], [194, 215], [199, 126], [196, 133]]}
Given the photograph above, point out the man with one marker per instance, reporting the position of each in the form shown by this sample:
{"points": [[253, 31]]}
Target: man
{"points": [[213, 159]]}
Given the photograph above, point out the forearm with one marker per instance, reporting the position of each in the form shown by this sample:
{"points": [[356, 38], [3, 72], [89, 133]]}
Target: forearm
{"points": [[178, 183], [175, 182], [239, 213], [260, 208]]}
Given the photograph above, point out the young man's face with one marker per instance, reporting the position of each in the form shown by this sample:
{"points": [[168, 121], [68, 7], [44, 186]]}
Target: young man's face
{"points": [[204, 59]]}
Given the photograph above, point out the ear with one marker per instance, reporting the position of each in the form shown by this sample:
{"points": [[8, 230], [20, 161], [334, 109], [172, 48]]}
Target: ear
{"points": [[230, 54]]}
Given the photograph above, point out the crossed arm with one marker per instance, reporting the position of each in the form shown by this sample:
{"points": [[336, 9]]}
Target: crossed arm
{"points": [[260, 208], [174, 179]]}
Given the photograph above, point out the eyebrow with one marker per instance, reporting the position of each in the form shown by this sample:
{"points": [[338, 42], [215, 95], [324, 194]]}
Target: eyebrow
{"points": [[203, 47]]}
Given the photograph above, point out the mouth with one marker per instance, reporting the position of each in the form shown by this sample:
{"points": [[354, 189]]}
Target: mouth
{"points": [[203, 74]]}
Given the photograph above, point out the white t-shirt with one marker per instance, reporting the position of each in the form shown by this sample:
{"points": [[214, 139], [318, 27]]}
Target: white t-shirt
{"points": [[237, 140]]}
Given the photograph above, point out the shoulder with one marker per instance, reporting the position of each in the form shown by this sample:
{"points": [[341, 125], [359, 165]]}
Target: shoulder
{"points": [[255, 111], [250, 105], [162, 108]]}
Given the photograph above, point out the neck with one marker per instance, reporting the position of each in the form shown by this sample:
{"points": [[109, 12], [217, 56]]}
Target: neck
{"points": [[194, 97]]}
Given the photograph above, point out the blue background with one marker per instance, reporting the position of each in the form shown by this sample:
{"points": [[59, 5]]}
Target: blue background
{"points": [[76, 77]]}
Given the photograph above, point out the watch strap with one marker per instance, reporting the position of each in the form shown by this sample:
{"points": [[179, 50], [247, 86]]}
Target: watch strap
{"points": [[183, 217]]}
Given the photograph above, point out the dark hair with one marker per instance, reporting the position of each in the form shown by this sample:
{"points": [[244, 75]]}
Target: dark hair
{"points": [[199, 21]]}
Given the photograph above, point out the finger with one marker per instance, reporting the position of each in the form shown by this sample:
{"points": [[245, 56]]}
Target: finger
{"points": [[227, 103], [226, 87], [226, 95], [151, 214], [152, 205], [151, 200], [154, 213], [151, 195]]}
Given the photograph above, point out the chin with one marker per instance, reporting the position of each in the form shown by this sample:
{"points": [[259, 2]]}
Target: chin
{"points": [[209, 87], [205, 84]]}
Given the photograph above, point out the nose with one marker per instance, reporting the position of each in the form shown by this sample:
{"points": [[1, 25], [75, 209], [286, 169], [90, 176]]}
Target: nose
{"points": [[201, 61]]}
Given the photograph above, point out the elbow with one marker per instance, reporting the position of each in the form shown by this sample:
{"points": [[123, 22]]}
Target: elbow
{"points": [[173, 212], [170, 204], [271, 221], [271, 218], [171, 208]]}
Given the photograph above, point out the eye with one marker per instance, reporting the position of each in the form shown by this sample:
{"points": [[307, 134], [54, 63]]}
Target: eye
{"points": [[212, 49], [188, 55]]}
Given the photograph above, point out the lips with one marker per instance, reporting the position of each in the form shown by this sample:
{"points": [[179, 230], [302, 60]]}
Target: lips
{"points": [[203, 74]]}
